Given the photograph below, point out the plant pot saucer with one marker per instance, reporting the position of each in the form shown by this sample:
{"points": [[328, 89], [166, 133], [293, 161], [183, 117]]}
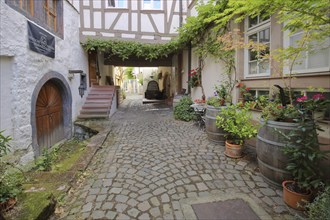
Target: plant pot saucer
{"points": [[234, 157]]}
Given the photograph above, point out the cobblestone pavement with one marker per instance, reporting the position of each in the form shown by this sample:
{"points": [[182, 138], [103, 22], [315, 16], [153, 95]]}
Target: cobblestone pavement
{"points": [[151, 166]]}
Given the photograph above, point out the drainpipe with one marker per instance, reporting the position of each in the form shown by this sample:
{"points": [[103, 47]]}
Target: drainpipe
{"points": [[181, 13], [189, 67]]}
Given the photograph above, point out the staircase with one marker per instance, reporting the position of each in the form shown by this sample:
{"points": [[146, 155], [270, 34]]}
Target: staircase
{"points": [[98, 102]]}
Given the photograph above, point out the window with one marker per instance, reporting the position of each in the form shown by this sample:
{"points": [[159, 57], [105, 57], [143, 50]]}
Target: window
{"points": [[50, 13], [255, 93], [258, 31], [317, 59], [152, 4], [26, 5], [45, 13], [254, 21], [117, 3]]}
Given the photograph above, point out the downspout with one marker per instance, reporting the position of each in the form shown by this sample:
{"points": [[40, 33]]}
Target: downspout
{"points": [[189, 67], [181, 13]]}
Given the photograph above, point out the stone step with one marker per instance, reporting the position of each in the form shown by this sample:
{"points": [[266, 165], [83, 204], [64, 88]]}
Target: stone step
{"points": [[94, 111], [96, 105], [98, 101], [105, 97], [101, 92], [88, 116]]}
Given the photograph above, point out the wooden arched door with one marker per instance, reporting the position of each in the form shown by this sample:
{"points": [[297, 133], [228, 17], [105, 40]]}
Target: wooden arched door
{"points": [[49, 115]]}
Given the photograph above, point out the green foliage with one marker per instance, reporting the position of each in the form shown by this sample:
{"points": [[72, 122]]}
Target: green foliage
{"points": [[123, 93], [46, 160], [237, 121], [126, 49], [10, 180], [304, 154], [275, 111], [319, 208], [10, 184], [141, 81], [183, 111], [214, 101], [129, 73], [221, 91], [4, 144]]}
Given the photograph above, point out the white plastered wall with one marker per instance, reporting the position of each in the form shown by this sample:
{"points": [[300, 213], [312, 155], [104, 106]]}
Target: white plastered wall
{"points": [[26, 68]]}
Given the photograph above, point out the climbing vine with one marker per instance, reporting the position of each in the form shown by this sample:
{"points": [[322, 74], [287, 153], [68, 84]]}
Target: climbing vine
{"points": [[126, 49]]}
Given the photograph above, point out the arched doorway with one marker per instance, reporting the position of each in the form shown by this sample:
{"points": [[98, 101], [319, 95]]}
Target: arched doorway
{"points": [[51, 111], [49, 115]]}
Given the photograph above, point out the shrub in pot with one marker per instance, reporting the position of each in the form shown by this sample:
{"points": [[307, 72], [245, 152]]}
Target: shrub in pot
{"points": [[304, 155], [236, 120]]}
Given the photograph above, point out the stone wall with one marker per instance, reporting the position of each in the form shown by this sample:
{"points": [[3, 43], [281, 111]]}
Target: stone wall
{"points": [[25, 68]]}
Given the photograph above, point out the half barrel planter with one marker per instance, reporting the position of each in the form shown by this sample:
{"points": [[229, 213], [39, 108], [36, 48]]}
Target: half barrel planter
{"points": [[271, 160], [214, 133]]}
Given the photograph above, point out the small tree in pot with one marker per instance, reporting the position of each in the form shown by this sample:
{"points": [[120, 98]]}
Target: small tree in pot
{"points": [[304, 155], [237, 121]]}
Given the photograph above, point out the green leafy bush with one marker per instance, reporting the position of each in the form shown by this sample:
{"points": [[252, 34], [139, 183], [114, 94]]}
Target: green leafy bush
{"points": [[214, 101], [10, 184], [237, 121], [183, 111], [10, 181], [46, 160], [319, 209], [4, 144]]}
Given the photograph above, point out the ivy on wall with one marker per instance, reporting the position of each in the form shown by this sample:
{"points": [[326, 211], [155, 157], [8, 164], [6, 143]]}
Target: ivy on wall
{"points": [[213, 18], [126, 49]]}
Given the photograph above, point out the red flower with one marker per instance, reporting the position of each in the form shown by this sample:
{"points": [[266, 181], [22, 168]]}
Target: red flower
{"points": [[302, 99], [279, 106], [239, 85], [247, 89], [318, 96]]}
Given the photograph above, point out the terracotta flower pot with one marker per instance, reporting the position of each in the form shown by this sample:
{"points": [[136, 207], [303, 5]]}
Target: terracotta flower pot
{"points": [[233, 150], [293, 199]]}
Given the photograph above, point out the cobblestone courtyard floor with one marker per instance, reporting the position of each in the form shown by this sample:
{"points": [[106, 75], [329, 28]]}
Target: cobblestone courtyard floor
{"points": [[154, 167]]}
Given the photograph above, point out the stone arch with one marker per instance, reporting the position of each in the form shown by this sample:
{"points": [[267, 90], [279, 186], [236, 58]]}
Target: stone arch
{"points": [[66, 95]]}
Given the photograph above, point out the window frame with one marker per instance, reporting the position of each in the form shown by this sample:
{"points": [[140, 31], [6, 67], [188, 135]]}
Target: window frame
{"points": [[37, 14], [50, 13], [152, 5], [306, 70], [116, 5], [250, 31]]}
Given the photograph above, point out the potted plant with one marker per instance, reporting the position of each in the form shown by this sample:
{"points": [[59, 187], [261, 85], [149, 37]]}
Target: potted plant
{"points": [[215, 105], [281, 119], [304, 155], [236, 120]]}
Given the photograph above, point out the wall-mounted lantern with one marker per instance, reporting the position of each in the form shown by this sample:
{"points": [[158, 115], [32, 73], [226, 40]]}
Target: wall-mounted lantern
{"points": [[81, 89], [83, 80]]}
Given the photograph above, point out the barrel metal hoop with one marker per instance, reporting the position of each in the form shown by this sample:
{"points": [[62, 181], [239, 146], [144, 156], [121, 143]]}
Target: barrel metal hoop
{"points": [[273, 168], [270, 142]]}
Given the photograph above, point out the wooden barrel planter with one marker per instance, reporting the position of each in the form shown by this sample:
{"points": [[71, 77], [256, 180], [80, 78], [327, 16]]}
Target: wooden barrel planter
{"points": [[214, 133], [271, 160]]}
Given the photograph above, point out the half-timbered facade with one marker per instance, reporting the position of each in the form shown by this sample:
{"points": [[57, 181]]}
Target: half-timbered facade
{"points": [[151, 21]]}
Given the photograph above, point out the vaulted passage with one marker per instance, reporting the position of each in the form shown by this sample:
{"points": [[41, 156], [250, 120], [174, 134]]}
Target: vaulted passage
{"points": [[49, 115]]}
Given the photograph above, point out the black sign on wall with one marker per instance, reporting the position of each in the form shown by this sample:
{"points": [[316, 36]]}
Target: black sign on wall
{"points": [[41, 41]]}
